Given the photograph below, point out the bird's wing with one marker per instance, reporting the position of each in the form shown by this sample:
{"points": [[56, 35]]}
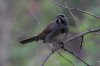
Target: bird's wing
{"points": [[45, 31]]}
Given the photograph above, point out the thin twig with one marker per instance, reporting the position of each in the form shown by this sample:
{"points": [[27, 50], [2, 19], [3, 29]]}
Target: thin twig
{"points": [[87, 13], [56, 3], [50, 55], [47, 58], [82, 38], [34, 15], [66, 59], [70, 12], [74, 9], [76, 56]]}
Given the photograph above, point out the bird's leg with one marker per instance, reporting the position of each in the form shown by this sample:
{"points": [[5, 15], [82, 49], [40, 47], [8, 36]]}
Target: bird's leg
{"points": [[61, 44], [43, 41]]}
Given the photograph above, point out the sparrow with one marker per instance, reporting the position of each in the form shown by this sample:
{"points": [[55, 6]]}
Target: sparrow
{"points": [[54, 29]]}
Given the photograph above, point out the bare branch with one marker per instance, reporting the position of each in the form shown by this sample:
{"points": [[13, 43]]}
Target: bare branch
{"points": [[73, 54], [76, 56], [82, 34], [77, 36], [47, 58], [52, 47], [74, 9], [50, 55]]}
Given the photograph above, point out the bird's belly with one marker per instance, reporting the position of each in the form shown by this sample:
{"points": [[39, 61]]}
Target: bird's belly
{"points": [[61, 37]]}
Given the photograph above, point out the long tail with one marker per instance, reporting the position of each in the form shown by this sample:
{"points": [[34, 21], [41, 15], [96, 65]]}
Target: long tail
{"points": [[29, 40]]}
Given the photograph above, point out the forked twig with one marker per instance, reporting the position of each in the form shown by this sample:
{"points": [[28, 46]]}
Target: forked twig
{"points": [[52, 47], [82, 38], [76, 56]]}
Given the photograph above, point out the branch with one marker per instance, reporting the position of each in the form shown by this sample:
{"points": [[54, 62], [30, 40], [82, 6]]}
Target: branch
{"points": [[73, 54], [82, 34], [76, 56], [77, 36], [47, 58], [50, 55], [52, 47], [74, 9]]}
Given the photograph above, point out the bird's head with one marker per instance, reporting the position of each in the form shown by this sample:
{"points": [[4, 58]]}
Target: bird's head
{"points": [[62, 19]]}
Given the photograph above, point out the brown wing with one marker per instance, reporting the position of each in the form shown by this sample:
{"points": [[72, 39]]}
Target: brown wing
{"points": [[45, 31]]}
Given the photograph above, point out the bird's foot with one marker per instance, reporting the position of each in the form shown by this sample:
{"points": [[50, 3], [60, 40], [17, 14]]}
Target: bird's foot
{"points": [[61, 44]]}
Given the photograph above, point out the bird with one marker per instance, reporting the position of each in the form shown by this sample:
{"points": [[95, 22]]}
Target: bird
{"points": [[58, 27]]}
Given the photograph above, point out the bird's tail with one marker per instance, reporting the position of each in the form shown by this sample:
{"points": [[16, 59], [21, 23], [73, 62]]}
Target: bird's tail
{"points": [[29, 40]]}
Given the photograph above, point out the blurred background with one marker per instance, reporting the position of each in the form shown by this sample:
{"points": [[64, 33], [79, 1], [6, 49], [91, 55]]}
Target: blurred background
{"points": [[21, 19]]}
